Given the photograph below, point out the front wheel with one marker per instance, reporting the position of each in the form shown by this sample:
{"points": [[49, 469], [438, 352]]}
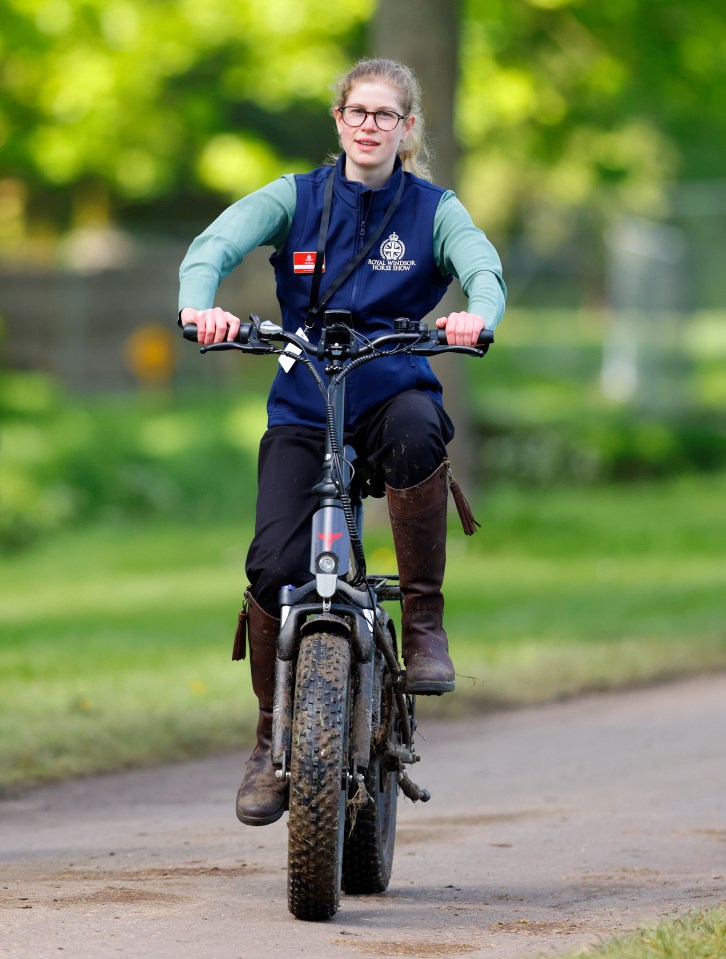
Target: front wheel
{"points": [[318, 776]]}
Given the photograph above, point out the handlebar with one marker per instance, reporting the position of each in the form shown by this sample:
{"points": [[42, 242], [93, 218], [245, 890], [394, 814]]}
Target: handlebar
{"points": [[259, 337]]}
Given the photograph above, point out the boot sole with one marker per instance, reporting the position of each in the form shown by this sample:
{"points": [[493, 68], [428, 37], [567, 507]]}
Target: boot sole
{"points": [[430, 689], [260, 820]]}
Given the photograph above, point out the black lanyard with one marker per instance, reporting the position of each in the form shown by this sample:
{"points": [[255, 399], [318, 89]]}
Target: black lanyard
{"points": [[316, 302]]}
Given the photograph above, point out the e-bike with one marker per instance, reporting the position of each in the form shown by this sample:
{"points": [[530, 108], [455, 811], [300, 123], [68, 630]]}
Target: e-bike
{"points": [[343, 722]]}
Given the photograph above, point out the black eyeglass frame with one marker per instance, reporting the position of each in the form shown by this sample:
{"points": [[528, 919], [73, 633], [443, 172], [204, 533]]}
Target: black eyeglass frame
{"points": [[371, 113]]}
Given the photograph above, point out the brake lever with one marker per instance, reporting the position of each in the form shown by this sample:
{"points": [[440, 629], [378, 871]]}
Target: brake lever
{"points": [[253, 345], [225, 345], [466, 350]]}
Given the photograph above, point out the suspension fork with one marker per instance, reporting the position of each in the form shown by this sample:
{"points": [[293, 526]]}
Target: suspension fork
{"points": [[352, 617]]}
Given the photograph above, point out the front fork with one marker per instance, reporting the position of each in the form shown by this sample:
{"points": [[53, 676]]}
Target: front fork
{"points": [[352, 620], [365, 635]]}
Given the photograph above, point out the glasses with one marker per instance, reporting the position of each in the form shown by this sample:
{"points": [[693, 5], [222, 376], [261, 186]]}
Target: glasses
{"points": [[385, 120]]}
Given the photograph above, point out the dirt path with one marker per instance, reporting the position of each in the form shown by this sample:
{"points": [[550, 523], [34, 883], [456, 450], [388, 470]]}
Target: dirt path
{"points": [[548, 829]]}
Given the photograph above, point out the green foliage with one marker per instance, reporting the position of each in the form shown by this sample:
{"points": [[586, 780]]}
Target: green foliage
{"points": [[618, 446], [541, 416], [66, 462], [134, 102], [570, 109], [567, 109]]}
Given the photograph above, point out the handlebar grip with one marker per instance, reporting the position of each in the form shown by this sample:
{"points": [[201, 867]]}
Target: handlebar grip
{"points": [[189, 331], [486, 337]]}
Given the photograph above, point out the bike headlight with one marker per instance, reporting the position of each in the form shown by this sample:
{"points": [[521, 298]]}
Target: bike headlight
{"points": [[327, 563]]}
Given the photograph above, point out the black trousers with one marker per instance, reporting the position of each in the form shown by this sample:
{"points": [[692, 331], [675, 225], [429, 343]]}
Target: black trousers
{"points": [[401, 443]]}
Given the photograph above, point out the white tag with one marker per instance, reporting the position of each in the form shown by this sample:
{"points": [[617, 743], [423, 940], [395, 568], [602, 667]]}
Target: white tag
{"points": [[285, 361]]}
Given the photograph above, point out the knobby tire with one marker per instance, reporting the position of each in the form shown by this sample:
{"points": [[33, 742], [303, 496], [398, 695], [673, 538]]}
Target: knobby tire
{"points": [[318, 767]]}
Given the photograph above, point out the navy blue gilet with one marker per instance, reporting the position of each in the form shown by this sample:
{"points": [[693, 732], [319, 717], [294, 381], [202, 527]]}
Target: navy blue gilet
{"points": [[399, 277]]}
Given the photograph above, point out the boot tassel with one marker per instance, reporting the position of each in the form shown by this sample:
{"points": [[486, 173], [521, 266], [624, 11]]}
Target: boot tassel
{"points": [[239, 650], [468, 522]]}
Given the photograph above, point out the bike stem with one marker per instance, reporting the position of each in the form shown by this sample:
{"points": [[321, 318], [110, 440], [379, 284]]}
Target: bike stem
{"points": [[336, 337], [327, 490]]}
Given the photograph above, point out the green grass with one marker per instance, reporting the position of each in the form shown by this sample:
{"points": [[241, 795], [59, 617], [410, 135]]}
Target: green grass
{"points": [[121, 584], [115, 640], [115, 651], [698, 935]]}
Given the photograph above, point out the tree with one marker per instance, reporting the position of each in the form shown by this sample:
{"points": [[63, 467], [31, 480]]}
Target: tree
{"points": [[572, 110], [110, 108]]}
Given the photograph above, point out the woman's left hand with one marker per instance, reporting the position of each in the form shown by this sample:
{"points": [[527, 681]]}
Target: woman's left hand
{"points": [[462, 329]]}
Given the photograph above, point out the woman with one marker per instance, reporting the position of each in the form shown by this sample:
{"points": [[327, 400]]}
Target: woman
{"points": [[413, 237]]}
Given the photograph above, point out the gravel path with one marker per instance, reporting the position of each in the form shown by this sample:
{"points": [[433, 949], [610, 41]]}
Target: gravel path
{"points": [[549, 828]]}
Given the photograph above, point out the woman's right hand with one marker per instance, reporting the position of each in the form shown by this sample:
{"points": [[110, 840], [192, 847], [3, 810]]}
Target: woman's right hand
{"points": [[213, 326]]}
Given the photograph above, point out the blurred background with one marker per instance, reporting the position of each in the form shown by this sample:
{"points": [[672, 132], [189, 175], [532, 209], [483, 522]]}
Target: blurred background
{"points": [[588, 140]]}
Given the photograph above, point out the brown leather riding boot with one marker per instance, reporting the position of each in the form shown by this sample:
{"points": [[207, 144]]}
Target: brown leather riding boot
{"points": [[261, 798], [418, 521]]}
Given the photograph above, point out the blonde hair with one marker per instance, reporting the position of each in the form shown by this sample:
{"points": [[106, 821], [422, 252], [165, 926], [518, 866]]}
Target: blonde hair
{"points": [[414, 152]]}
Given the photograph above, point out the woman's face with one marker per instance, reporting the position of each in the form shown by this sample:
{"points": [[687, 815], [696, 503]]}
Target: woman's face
{"points": [[370, 152]]}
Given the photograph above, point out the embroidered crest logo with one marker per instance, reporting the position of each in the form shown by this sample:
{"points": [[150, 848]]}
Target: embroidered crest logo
{"points": [[392, 252], [393, 248]]}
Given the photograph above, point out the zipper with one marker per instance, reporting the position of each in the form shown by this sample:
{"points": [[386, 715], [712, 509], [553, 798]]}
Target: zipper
{"points": [[364, 220], [366, 205]]}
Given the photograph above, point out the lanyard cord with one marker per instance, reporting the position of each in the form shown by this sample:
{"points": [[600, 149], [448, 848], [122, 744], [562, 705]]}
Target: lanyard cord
{"points": [[320, 255], [316, 302]]}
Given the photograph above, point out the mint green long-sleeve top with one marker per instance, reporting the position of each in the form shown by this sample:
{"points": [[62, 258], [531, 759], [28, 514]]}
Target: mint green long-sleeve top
{"points": [[264, 218]]}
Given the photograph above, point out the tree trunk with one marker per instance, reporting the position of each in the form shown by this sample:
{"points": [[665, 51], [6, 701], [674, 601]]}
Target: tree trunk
{"points": [[424, 35]]}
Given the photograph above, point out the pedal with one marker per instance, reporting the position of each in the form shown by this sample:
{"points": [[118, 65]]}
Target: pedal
{"points": [[411, 790]]}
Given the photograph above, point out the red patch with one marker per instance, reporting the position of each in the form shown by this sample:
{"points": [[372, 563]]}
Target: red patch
{"points": [[304, 262]]}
